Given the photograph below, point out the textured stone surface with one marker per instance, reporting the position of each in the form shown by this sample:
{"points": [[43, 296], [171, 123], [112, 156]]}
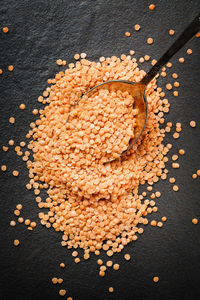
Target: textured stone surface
{"points": [[41, 32]]}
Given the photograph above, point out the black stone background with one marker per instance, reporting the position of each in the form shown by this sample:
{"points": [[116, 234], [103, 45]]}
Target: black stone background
{"points": [[40, 33]]}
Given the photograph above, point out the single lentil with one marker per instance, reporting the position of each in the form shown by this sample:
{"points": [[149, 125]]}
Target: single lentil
{"points": [[62, 292], [155, 278], [150, 41], [195, 221], [193, 124], [16, 243], [127, 33], [171, 32], [137, 27], [10, 68], [152, 6]]}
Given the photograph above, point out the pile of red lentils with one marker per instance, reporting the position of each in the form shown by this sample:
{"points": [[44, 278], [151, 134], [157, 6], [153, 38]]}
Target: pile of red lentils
{"points": [[95, 206]]}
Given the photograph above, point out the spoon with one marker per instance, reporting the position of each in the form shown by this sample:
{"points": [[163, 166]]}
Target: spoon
{"points": [[137, 89]]}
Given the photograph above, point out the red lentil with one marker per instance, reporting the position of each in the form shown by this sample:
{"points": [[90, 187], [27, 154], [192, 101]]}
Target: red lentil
{"points": [[16, 243], [156, 279], [152, 6], [62, 292], [171, 32], [192, 123], [3, 168], [181, 60], [10, 68], [22, 106], [127, 33], [195, 221], [189, 51], [149, 41], [5, 29], [137, 27]]}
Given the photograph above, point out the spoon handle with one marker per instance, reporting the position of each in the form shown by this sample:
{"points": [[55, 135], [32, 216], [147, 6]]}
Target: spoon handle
{"points": [[187, 34]]}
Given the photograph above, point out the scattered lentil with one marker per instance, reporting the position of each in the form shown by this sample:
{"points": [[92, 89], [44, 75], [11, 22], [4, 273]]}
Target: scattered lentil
{"points": [[15, 173], [116, 267], [149, 41], [189, 51], [62, 292], [20, 220], [176, 84], [74, 253], [155, 279], [195, 221], [127, 33], [181, 60], [16, 243], [77, 260], [22, 106], [3, 168], [175, 165], [54, 280], [169, 86], [102, 273], [169, 64], [27, 222], [175, 188], [174, 75], [176, 135], [76, 56], [99, 262], [160, 224], [10, 68], [5, 149], [19, 206], [174, 157], [33, 224], [181, 151], [12, 120], [59, 62], [83, 55], [153, 223], [127, 256], [172, 180], [152, 6], [5, 29], [11, 142], [12, 223], [109, 263], [163, 74], [192, 123], [137, 27], [171, 32]]}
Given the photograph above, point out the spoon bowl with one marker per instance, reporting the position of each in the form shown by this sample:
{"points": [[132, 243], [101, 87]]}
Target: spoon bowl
{"points": [[137, 91]]}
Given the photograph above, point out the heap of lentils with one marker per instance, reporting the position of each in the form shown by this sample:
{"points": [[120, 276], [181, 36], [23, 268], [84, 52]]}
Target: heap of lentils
{"points": [[96, 206]]}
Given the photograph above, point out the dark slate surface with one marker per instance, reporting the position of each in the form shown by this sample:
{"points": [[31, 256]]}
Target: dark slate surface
{"points": [[41, 32]]}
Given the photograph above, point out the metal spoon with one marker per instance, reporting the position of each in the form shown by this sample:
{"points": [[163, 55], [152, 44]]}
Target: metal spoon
{"points": [[137, 89]]}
